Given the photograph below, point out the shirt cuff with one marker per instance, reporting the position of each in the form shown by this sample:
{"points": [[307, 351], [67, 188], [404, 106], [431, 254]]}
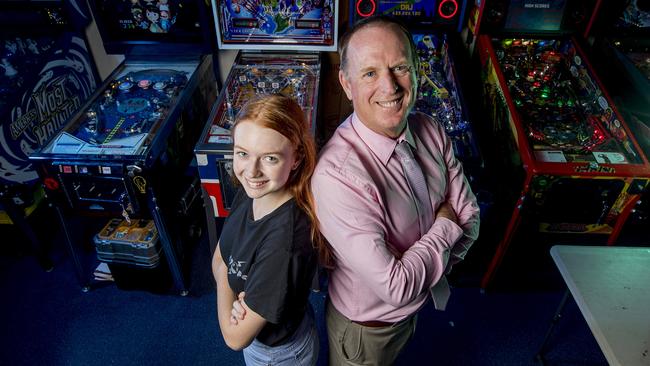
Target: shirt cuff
{"points": [[446, 229]]}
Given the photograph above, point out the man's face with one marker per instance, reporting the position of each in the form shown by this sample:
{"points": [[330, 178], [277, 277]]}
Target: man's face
{"points": [[380, 79]]}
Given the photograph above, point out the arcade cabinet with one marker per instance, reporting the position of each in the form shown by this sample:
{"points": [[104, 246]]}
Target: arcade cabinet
{"points": [[565, 153], [125, 158], [46, 74]]}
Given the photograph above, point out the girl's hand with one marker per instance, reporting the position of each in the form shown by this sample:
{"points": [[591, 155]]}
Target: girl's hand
{"points": [[238, 312]]}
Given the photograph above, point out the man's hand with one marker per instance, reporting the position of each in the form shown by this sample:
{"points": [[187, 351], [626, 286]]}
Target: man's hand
{"points": [[445, 210], [238, 312]]}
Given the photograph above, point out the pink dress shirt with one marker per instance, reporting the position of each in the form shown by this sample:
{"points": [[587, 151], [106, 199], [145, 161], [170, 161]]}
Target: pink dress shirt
{"points": [[384, 267]]}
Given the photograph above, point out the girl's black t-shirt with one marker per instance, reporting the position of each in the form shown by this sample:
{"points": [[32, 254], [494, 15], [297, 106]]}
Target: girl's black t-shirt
{"points": [[273, 261]]}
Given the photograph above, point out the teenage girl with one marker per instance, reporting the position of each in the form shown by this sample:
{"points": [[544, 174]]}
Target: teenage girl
{"points": [[265, 259]]}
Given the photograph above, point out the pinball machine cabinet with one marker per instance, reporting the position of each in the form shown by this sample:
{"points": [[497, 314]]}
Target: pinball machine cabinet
{"points": [[621, 47], [435, 28], [621, 37], [578, 167], [46, 74], [127, 153], [425, 14], [278, 54]]}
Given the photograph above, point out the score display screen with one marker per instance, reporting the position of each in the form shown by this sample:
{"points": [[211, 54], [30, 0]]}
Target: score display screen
{"points": [[544, 15], [172, 21]]}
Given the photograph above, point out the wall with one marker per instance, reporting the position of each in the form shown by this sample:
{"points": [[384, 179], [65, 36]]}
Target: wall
{"points": [[105, 63]]}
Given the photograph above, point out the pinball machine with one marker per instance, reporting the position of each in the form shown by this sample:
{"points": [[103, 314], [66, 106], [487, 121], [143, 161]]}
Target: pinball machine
{"points": [[576, 166], [621, 48], [621, 36], [46, 74], [435, 26], [115, 158], [279, 44]]}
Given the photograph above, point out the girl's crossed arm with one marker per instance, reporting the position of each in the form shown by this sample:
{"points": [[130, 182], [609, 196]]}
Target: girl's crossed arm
{"points": [[240, 333]]}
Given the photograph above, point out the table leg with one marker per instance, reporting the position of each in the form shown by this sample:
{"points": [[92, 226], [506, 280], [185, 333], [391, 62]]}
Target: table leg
{"points": [[539, 357]]}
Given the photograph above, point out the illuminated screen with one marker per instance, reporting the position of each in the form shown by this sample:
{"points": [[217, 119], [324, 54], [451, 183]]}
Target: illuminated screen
{"points": [[278, 22], [543, 15], [422, 12], [148, 20]]}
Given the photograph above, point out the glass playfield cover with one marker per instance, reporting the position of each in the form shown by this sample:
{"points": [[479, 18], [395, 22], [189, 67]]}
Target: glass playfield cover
{"points": [[566, 115], [254, 74], [124, 119]]}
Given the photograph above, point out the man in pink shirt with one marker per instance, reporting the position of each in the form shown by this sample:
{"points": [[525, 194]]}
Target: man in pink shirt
{"points": [[384, 263]]}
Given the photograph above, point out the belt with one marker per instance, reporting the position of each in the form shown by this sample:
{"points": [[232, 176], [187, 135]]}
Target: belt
{"points": [[373, 323]]}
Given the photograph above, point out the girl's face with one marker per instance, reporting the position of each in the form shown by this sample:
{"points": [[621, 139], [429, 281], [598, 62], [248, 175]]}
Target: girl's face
{"points": [[263, 160]]}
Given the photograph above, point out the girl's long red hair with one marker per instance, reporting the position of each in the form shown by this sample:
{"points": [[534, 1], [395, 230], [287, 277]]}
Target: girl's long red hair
{"points": [[284, 115]]}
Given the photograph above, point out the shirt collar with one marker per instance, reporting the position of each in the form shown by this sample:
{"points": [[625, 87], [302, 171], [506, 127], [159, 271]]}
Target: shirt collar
{"points": [[381, 145]]}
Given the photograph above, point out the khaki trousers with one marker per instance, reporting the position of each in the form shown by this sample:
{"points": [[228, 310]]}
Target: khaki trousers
{"points": [[354, 344]]}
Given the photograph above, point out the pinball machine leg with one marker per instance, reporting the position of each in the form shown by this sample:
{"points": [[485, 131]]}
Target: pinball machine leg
{"points": [[622, 218], [213, 236], [18, 218], [513, 224], [502, 248], [84, 281], [167, 245]]}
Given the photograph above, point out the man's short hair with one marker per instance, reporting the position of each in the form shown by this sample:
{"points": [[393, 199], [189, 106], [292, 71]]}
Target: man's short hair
{"points": [[377, 20]]}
